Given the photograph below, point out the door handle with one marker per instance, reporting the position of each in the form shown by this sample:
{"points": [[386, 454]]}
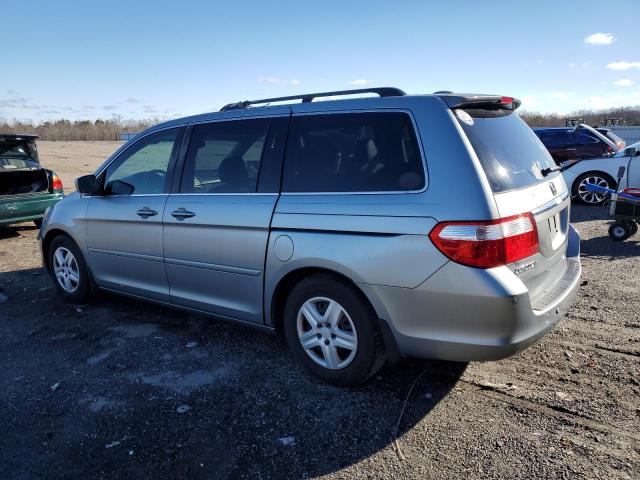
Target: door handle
{"points": [[182, 213], [146, 212]]}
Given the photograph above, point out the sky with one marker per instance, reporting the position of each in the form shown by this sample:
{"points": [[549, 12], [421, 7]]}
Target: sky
{"points": [[165, 59]]}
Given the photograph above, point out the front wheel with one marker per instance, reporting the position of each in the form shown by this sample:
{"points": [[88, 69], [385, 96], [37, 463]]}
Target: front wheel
{"points": [[592, 178], [69, 270], [330, 328]]}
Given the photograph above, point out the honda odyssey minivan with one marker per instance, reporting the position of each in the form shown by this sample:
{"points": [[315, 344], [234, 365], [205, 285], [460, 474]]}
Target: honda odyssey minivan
{"points": [[358, 229]]}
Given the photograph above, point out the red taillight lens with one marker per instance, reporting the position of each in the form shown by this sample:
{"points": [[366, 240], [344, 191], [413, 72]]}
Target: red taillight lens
{"points": [[506, 100], [56, 183], [610, 149], [487, 244]]}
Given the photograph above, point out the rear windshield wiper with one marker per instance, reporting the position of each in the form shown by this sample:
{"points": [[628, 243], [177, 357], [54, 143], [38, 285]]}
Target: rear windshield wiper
{"points": [[548, 171]]}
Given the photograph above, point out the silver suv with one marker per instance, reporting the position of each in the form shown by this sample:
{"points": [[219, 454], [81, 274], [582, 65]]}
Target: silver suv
{"points": [[359, 229]]}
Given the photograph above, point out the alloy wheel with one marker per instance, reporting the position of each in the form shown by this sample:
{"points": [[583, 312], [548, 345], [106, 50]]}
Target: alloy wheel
{"points": [[592, 197], [65, 268], [327, 333]]}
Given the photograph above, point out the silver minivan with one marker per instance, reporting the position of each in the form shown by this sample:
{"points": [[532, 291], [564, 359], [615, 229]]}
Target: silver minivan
{"points": [[359, 229]]}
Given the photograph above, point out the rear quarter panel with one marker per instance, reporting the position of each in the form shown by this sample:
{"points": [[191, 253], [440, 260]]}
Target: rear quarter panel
{"points": [[382, 239]]}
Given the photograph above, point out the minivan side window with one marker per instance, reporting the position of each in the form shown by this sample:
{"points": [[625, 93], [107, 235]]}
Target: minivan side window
{"points": [[142, 168], [353, 152], [225, 157]]}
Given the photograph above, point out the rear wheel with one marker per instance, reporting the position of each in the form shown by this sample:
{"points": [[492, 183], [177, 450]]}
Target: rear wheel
{"points": [[69, 270], [620, 231], [592, 178], [330, 328]]}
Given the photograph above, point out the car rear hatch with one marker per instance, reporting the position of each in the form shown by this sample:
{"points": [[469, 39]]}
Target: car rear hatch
{"points": [[525, 182], [20, 170]]}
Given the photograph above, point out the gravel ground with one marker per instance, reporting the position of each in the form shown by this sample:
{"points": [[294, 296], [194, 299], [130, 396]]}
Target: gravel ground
{"points": [[121, 388]]}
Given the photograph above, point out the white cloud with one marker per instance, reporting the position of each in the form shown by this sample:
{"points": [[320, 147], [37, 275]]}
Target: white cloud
{"points": [[623, 65], [600, 39], [268, 79], [295, 81], [560, 95], [530, 102], [572, 65], [361, 82], [624, 82]]}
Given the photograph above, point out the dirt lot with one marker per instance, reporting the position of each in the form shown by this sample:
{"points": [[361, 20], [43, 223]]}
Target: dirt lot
{"points": [[96, 391]]}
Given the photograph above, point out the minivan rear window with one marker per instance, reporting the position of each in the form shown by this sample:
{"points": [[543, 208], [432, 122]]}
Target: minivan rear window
{"points": [[353, 152], [511, 155]]}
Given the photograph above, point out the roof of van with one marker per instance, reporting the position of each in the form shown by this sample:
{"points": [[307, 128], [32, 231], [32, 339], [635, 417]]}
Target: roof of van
{"points": [[252, 108]]}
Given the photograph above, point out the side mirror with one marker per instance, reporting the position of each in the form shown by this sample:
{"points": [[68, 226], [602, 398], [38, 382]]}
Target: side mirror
{"points": [[118, 187], [86, 184], [630, 152]]}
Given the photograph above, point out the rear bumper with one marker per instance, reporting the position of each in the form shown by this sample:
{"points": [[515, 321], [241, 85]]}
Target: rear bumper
{"points": [[18, 208], [467, 314]]}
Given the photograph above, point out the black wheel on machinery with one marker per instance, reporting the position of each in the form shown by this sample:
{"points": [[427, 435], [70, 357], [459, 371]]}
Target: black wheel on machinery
{"points": [[620, 231]]}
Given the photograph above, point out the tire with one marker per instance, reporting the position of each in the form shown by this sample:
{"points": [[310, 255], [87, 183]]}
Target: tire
{"points": [[591, 198], [38, 223], [70, 276], [634, 228], [353, 323], [620, 231]]}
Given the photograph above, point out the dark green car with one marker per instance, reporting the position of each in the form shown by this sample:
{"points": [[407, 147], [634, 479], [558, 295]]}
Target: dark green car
{"points": [[26, 188]]}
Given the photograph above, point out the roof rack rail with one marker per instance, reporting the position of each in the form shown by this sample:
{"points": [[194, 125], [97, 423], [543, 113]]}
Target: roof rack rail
{"points": [[308, 98]]}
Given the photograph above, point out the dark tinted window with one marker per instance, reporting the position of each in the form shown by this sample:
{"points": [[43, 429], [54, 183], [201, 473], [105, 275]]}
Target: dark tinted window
{"points": [[555, 138], [510, 153], [584, 137], [355, 152], [225, 157]]}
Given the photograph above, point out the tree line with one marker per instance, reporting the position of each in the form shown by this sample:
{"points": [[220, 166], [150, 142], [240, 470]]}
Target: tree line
{"points": [[88, 130]]}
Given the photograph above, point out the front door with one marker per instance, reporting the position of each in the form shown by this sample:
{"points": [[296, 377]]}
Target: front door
{"points": [[216, 227], [124, 222]]}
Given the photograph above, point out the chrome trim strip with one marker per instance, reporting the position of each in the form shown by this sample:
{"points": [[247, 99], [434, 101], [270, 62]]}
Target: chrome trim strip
{"points": [[551, 204], [260, 194], [138, 256], [212, 266]]}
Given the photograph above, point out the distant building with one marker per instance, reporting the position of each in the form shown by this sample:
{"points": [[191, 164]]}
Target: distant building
{"points": [[126, 136]]}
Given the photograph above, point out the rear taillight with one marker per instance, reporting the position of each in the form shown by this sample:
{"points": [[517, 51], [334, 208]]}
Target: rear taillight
{"points": [[56, 183], [487, 244], [610, 149]]}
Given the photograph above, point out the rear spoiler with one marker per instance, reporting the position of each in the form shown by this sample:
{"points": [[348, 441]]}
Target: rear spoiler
{"points": [[489, 102]]}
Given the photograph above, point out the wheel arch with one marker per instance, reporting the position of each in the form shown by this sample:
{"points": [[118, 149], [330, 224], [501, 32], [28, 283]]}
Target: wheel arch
{"points": [[48, 239], [291, 278]]}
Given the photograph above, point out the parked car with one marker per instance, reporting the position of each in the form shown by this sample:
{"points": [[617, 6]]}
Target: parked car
{"points": [[431, 226], [607, 132], [597, 171], [580, 142], [26, 188]]}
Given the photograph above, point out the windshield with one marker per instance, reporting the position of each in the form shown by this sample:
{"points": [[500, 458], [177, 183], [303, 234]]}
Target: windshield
{"points": [[18, 154], [511, 155]]}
